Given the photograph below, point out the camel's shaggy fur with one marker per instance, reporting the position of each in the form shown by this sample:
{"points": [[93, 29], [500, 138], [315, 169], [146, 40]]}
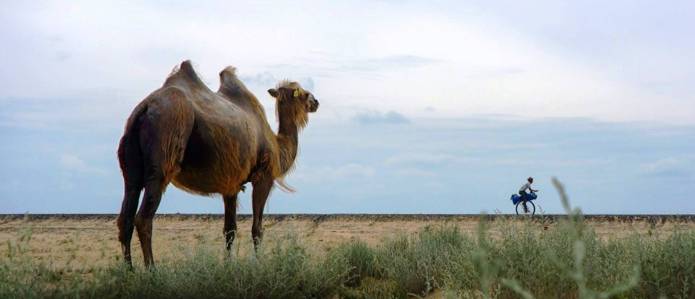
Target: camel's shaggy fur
{"points": [[206, 143]]}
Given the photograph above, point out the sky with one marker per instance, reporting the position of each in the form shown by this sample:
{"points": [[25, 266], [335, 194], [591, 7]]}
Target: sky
{"points": [[426, 107]]}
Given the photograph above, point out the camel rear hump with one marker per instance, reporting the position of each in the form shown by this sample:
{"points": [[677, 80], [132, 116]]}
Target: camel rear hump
{"points": [[230, 84], [235, 91]]}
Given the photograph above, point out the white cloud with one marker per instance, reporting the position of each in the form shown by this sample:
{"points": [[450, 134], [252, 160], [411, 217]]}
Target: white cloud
{"points": [[333, 173], [465, 58], [424, 159], [74, 163], [375, 117], [352, 170], [668, 167], [415, 172]]}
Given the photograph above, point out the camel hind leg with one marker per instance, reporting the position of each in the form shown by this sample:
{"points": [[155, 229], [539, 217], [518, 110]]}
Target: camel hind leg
{"points": [[156, 177], [145, 217], [130, 158], [163, 134]]}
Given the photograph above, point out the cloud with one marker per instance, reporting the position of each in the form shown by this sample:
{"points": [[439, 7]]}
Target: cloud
{"points": [[668, 168], [374, 117], [307, 83], [352, 170], [388, 63], [495, 72], [422, 159], [62, 55], [415, 172], [339, 64], [265, 80], [74, 163], [88, 113], [461, 64], [333, 173]]}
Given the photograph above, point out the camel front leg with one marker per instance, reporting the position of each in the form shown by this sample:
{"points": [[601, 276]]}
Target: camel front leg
{"points": [[230, 206], [261, 190]]}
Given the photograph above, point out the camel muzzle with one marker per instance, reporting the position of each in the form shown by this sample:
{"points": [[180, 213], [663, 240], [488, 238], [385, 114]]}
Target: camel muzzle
{"points": [[314, 106]]}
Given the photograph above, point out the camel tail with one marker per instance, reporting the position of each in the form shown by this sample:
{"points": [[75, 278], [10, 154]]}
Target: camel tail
{"points": [[130, 156], [282, 185], [155, 137]]}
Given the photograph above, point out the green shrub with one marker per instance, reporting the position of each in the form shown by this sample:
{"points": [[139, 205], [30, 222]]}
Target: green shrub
{"points": [[361, 260]]}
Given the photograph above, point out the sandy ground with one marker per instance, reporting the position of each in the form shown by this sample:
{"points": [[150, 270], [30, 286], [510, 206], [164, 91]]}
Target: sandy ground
{"points": [[87, 241]]}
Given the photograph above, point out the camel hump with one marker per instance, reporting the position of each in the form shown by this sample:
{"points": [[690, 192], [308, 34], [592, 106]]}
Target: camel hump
{"points": [[228, 76], [186, 72], [228, 72], [230, 83], [187, 68]]}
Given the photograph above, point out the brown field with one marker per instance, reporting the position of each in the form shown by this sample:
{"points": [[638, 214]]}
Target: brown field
{"points": [[91, 240]]}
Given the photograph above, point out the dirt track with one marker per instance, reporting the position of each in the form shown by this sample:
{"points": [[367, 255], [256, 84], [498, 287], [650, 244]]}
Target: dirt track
{"points": [[91, 240]]}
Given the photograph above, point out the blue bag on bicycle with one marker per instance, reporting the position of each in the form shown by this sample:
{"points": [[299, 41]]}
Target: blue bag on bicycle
{"points": [[515, 198]]}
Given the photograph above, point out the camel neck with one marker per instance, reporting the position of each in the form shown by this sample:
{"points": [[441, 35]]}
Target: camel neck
{"points": [[288, 139], [288, 128]]}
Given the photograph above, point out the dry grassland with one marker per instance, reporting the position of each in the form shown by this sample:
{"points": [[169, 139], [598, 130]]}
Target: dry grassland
{"points": [[92, 240]]}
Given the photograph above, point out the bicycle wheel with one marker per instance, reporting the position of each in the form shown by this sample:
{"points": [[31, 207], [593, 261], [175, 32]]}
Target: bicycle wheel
{"points": [[530, 211]]}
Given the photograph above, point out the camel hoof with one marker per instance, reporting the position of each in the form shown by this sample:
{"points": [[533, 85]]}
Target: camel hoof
{"points": [[229, 256], [128, 265]]}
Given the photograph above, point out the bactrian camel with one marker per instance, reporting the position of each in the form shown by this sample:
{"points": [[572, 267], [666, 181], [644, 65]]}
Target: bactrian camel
{"points": [[206, 143]]}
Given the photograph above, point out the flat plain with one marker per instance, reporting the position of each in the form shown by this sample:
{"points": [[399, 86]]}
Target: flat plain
{"points": [[91, 240]]}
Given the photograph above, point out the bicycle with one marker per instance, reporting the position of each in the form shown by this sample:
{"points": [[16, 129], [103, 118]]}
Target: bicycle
{"points": [[525, 206]]}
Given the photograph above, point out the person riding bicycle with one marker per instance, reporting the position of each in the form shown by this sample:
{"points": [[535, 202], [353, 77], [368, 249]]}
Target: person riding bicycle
{"points": [[524, 194]]}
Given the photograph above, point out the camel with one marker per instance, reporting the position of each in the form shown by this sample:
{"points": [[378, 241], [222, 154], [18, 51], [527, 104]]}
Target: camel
{"points": [[206, 143]]}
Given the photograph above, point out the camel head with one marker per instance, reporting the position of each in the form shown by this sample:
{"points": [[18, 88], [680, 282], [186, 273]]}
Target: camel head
{"points": [[293, 102]]}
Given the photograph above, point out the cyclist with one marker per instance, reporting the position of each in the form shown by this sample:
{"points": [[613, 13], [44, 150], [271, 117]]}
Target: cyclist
{"points": [[524, 194]]}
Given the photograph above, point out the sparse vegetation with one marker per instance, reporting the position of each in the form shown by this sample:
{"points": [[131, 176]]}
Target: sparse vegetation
{"points": [[523, 262]]}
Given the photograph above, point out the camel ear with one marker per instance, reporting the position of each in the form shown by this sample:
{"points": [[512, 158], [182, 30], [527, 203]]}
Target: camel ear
{"points": [[273, 92]]}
